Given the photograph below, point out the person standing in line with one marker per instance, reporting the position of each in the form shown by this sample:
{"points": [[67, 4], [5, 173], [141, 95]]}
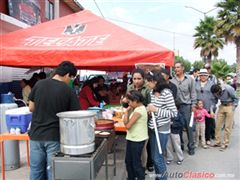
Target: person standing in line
{"points": [[211, 76], [135, 120], [167, 76], [203, 89], [26, 90], [47, 98], [138, 83], [225, 114], [186, 101], [163, 108], [199, 116], [174, 142], [195, 74]]}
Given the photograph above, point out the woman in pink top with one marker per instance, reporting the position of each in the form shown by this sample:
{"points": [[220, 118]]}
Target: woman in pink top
{"points": [[199, 116]]}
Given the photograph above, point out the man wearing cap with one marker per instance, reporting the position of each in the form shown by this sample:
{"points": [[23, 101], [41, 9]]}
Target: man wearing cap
{"points": [[203, 90], [167, 76], [211, 76], [229, 101], [186, 100]]}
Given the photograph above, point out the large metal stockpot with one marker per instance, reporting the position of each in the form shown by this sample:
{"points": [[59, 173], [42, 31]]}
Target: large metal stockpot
{"points": [[77, 132]]}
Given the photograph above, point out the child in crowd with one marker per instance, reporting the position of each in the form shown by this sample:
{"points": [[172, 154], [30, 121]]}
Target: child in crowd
{"points": [[174, 144], [199, 116], [135, 120]]}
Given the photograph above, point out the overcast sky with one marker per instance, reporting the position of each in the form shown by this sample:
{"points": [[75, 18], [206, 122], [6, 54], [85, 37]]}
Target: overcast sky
{"points": [[172, 23]]}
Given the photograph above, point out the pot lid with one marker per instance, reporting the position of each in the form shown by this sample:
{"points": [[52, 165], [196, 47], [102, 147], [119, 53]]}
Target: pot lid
{"points": [[76, 114]]}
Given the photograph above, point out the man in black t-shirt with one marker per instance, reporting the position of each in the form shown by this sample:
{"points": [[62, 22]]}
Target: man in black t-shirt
{"points": [[47, 98]]}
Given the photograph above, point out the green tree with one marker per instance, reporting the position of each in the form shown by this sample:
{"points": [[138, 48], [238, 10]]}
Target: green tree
{"points": [[185, 62], [228, 27], [220, 68], [234, 67], [198, 64], [206, 39]]}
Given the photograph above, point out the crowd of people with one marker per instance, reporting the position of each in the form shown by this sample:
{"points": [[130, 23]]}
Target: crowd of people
{"points": [[179, 103], [159, 108]]}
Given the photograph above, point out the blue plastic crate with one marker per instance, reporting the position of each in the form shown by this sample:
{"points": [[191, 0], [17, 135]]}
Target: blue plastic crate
{"points": [[18, 118]]}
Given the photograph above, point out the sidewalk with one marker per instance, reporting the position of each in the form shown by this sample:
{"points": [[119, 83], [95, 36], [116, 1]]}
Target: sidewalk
{"points": [[223, 165]]}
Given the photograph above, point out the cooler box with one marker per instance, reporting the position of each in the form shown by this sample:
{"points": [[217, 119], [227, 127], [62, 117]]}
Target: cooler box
{"points": [[18, 118]]}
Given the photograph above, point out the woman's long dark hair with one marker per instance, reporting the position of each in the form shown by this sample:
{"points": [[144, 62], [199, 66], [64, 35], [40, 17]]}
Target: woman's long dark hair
{"points": [[156, 75], [90, 82]]}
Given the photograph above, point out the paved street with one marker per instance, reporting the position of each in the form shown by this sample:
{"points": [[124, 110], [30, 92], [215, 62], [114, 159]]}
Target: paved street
{"points": [[208, 162]]}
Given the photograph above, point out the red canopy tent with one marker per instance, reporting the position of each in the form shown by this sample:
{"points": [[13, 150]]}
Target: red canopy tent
{"points": [[85, 39]]}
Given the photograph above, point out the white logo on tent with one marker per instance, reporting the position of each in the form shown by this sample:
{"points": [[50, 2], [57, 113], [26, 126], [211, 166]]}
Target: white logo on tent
{"points": [[74, 29]]}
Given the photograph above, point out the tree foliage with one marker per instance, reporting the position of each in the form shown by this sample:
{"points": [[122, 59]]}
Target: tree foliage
{"points": [[198, 64], [206, 39], [234, 67], [228, 27], [220, 68]]}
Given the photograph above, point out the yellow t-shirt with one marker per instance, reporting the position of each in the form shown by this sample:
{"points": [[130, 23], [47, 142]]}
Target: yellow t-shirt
{"points": [[139, 130]]}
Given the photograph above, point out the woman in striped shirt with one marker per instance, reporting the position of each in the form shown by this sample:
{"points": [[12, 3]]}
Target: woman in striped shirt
{"points": [[163, 107]]}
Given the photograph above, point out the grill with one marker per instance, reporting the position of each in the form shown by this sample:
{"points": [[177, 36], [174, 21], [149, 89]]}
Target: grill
{"points": [[82, 167]]}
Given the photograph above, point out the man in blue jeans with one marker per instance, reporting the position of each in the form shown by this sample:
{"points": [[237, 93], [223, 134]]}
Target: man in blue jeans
{"points": [[186, 100], [47, 98]]}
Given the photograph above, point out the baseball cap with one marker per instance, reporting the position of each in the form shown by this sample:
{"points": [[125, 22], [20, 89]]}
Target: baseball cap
{"points": [[167, 72], [203, 72]]}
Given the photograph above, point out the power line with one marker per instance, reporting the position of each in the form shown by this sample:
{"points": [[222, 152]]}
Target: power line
{"points": [[141, 25], [98, 8], [150, 27]]}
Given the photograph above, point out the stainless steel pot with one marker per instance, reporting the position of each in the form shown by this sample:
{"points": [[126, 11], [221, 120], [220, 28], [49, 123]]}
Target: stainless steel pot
{"points": [[77, 132]]}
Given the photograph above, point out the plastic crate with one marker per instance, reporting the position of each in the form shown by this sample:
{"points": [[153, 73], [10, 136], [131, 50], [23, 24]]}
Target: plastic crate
{"points": [[18, 118]]}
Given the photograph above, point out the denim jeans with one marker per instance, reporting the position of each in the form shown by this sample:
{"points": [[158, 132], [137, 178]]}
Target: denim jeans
{"points": [[41, 153], [158, 159], [133, 160], [186, 110]]}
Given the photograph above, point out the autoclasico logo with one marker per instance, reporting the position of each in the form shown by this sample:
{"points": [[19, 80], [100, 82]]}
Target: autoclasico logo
{"points": [[74, 29], [185, 175]]}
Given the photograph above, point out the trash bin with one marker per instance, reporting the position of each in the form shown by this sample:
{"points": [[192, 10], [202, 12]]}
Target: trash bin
{"points": [[11, 148]]}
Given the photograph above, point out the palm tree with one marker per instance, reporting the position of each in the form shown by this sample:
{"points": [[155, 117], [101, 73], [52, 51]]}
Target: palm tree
{"points": [[220, 68], [207, 40], [228, 27]]}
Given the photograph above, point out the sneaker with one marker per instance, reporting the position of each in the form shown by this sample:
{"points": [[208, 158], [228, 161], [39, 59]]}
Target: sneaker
{"points": [[205, 146], [150, 168], [223, 147], [179, 162], [196, 145], [168, 162], [208, 142], [191, 152], [217, 145]]}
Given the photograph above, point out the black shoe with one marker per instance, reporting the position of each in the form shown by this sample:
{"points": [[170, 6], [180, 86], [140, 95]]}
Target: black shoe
{"points": [[150, 168], [182, 147], [191, 152]]}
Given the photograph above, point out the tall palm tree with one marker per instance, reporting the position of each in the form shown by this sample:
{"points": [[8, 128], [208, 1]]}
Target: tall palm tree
{"points": [[228, 27], [207, 40]]}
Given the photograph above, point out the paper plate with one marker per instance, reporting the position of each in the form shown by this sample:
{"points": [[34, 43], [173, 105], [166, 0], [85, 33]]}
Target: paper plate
{"points": [[104, 133], [97, 132]]}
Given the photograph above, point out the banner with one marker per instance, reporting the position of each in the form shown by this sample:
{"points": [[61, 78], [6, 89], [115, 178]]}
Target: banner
{"points": [[27, 11]]}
